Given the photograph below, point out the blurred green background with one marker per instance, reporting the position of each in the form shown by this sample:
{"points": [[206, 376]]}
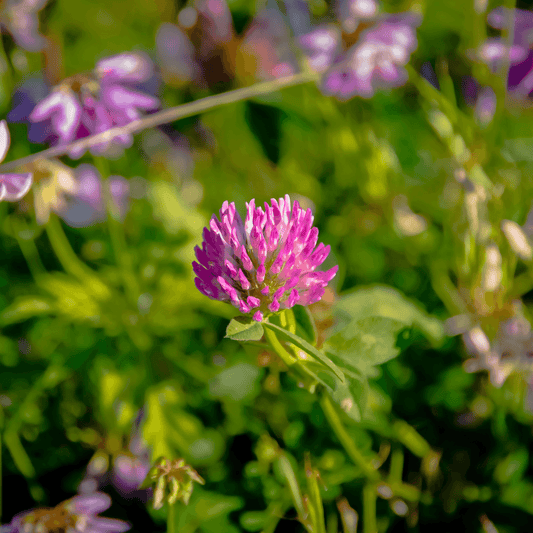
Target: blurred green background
{"points": [[81, 355]]}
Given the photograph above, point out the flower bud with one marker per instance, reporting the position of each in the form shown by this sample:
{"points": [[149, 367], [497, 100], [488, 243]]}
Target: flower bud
{"points": [[171, 481]]}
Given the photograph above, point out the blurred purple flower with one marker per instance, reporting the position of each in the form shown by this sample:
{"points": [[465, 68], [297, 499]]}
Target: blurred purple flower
{"points": [[265, 264], [20, 19], [176, 55], [88, 104], [485, 106], [77, 514], [87, 204], [215, 24], [265, 50], [510, 351], [205, 50], [351, 12], [376, 60], [321, 46], [494, 51], [24, 99], [12, 186], [131, 468]]}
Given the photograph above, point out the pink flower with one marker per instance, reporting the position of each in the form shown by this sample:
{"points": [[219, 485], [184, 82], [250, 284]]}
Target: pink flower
{"points": [[92, 103], [12, 186], [77, 514], [265, 264]]}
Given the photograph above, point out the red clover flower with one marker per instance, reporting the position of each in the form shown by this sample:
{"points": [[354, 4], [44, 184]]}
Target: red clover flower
{"points": [[265, 264]]}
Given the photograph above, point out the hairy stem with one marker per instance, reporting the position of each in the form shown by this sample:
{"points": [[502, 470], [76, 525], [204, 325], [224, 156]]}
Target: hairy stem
{"points": [[166, 116]]}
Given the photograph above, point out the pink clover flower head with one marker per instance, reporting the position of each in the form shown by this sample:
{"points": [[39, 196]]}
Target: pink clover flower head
{"points": [[12, 186], [376, 60], [266, 263], [87, 104], [20, 19], [77, 514]]}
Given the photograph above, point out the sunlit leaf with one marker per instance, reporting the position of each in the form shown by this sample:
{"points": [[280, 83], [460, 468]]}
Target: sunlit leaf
{"points": [[244, 329]]}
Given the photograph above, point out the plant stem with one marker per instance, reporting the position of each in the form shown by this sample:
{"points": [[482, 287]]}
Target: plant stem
{"points": [[166, 116], [171, 519], [71, 263], [116, 233], [347, 442], [286, 357], [64, 252], [29, 251], [369, 508]]}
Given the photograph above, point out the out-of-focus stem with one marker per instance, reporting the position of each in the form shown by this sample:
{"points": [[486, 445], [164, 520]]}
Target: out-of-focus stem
{"points": [[71, 263], [29, 251], [171, 519], [116, 233], [446, 290], [347, 442], [64, 252], [275, 512], [166, 116], [369, 508]]}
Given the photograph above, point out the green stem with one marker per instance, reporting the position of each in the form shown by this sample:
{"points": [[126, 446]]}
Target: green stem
{"points": [[168, 115], [346, 441], [64, 252], [286, 357], [118, 238], [369, 509], [25, 237], [70, 262], [171, 519]]}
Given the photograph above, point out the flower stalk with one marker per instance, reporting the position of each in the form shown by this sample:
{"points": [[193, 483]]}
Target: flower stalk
{"points": [[163, 117]]}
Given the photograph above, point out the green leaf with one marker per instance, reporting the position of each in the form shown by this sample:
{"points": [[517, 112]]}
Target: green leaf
{"points": [[306, 347], [387, 302], [365, 343], [244, 329], [209, 512]]}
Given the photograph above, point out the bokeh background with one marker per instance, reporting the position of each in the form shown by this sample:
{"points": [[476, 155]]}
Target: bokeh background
{"points": [[412, 187]]}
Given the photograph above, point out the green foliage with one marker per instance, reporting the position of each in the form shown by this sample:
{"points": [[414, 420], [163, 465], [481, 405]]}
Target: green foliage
{"points": [[105, 338], [244, 329]]}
